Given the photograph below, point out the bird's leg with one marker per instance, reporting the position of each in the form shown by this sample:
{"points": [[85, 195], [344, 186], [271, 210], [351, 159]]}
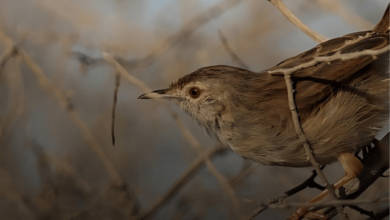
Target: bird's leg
{"points": [[351, 164], [302, 211]]}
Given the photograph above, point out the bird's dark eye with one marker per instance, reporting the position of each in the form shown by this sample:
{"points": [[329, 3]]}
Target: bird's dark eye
{"points": [[194, 92]]}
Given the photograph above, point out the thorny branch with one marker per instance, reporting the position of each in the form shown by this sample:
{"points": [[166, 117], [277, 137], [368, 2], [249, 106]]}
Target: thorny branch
{"points": [[291, 100], [305, 142]]}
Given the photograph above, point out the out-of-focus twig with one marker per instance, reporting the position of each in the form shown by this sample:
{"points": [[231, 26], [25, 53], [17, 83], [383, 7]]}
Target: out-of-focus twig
{"points": [[180, 183], [117, 82], [247, 169], [291, 17], [165, 45], [349, 16], [309, 182], [7, 53], [187, 30], [64, 101], [231, 52], [16, 100]]}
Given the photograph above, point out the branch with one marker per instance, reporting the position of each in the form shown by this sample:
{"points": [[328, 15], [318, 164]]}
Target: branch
{"points": [[291, 17], [309, 182], [302, 137], [375, 162], [343, 202]]}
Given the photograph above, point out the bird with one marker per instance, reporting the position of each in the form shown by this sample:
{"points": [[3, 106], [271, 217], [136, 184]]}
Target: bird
{"points": [[342, 103]]}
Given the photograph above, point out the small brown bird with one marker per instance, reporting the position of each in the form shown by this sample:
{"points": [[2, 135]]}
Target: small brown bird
{"points": [[342, 103]]}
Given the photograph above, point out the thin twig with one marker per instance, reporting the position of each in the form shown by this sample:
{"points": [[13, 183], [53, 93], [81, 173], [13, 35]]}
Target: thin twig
{"points": [[227, 47], [117, 83], [381, 214], [309, 182], [291, 17], [265, 206], [329, 203], [346, 202], [302, 137], [7, 54]]}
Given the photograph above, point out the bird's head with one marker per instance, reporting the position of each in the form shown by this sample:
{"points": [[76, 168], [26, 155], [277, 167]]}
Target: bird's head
{"points": [[204, 94]]}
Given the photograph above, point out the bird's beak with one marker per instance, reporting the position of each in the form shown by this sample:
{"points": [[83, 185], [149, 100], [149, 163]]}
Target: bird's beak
{"points": [[157, 94]]}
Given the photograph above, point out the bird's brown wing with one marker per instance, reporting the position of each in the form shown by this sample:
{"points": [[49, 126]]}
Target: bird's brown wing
{"points": [[316, 83]]}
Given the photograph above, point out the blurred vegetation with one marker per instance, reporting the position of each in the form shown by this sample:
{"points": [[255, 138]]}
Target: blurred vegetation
{"points": [[48, 170]]}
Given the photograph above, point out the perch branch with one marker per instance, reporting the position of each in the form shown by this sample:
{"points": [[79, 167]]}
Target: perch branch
{"points": [[375, 162], [305, 142]]}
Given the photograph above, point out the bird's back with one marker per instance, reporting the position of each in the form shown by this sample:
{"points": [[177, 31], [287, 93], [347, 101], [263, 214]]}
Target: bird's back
{"points": [[341, 103]]}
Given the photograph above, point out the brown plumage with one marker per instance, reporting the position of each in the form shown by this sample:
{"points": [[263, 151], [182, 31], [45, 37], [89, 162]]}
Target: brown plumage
{"points": [[342, 103]]}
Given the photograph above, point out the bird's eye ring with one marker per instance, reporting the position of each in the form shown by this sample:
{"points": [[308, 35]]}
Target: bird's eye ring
{"points": [[194, 92]]}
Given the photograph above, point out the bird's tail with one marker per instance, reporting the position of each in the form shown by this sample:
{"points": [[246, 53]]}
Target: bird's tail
{"points": [[383, 26]]}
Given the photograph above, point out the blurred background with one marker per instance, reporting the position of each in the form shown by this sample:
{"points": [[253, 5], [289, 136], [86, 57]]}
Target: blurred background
{"points": [[47, 168]]}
